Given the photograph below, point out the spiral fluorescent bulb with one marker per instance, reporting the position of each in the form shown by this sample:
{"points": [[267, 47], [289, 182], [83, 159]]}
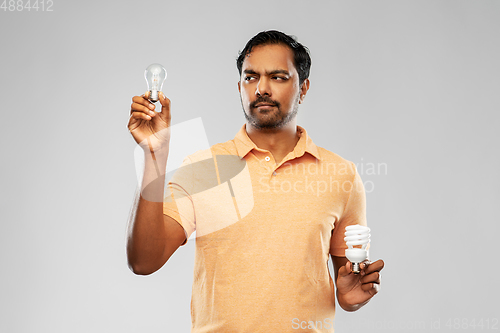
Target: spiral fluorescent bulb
{"points": [[155, 75], [356, 235]]}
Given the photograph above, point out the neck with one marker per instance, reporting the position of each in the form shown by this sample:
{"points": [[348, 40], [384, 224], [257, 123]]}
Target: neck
{"points": [[278, 141]]}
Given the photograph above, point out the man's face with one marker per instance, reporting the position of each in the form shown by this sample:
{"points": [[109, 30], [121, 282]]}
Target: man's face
{"points": [[269, 87]]}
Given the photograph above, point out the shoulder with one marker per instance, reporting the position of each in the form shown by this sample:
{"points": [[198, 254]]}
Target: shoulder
{"points": [[225, 148], [329, 156], [328, 159], [336, 163]]}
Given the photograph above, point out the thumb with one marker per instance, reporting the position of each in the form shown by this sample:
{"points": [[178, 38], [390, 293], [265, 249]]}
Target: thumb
{"points": [[165, 108], [164, 101], [345, 270]]}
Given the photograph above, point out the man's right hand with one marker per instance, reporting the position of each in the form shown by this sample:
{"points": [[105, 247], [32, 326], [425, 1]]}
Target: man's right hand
{"points": [[150, 129]]}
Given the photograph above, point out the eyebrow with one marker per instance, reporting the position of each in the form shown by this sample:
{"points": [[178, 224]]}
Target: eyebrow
{"points": [[276, 71]]}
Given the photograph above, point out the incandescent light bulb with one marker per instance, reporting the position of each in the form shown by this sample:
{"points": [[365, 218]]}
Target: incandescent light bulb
{"points": [[155, 75], [356, 235]]}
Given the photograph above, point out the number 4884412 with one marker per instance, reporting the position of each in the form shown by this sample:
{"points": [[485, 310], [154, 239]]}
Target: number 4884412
{"points": [[28, 5], [472, 324]]}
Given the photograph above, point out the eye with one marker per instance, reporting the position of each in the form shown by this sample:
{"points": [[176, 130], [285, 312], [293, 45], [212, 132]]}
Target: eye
{"points": [[280, 78], [249, 78]]}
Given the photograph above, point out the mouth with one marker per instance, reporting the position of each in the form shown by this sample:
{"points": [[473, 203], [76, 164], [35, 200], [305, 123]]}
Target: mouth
{"points": [[264, 105]]}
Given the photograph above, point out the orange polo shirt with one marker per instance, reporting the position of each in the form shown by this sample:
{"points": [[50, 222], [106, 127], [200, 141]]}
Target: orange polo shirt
{"points": [[264, 233]]}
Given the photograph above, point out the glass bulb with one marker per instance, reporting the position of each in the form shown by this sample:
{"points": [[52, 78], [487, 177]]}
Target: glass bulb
{"points": [[356, 235], [155, 75]]}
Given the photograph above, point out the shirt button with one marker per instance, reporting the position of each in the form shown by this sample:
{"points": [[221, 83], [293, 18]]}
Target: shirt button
{"points": [[274, 173], [267, 158]]}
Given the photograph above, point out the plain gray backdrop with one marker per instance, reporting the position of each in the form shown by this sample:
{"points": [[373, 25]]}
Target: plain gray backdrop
{"points": [[410, 86]]}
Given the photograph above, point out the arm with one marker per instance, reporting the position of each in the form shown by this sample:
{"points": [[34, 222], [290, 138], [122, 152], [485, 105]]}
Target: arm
{"points": [[152, 236], [353, 290]]}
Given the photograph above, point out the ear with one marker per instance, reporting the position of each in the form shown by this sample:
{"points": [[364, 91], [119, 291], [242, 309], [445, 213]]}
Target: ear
{"points": [[239, 86], [303, 90]]}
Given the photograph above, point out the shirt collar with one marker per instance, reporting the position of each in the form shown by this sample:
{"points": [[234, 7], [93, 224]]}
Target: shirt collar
{"points": [[305, 144]]}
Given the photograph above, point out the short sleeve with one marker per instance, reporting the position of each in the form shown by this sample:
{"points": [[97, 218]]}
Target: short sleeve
{"points": [[177, 202], [354, 213]]}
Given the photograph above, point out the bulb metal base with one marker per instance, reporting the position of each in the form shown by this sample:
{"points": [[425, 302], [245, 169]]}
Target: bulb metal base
{"points": [[153, 96], [355, 267]]}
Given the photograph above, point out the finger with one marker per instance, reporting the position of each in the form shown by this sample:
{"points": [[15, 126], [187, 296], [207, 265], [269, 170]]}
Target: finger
{"points": [[363, 266], [135, 120], [371, 278], [367, 286], [142, 100], [165, 108], [136, 107], [139, 116], [164, 101], [141, 107], [376, 266], [371, 288], [345, 270]]}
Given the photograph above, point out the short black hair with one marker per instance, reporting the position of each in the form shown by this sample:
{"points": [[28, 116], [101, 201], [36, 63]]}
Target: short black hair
{"points": [[301, 58]]}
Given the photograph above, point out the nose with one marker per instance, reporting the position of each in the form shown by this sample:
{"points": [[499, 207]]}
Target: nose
{"points": [[263, 88]]}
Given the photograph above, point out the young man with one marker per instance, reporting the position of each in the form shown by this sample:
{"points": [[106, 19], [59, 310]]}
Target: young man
{"points": [[268, 207]]}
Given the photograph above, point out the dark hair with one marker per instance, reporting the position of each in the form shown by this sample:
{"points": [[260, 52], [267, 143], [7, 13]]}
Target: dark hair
{"points": [[301, 58]]}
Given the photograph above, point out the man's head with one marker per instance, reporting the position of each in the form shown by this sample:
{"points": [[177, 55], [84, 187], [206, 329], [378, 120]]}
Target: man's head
{"points": [[301, 58], [274, 70]]}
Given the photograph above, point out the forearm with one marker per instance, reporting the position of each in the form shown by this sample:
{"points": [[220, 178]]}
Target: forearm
{"points": [[146, 230]]}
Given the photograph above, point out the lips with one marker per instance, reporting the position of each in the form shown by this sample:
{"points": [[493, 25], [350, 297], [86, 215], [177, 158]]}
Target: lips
{"points": [[264, 103]]}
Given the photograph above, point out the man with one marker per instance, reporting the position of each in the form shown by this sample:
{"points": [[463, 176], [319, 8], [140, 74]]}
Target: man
{"points": [[261, 250]]}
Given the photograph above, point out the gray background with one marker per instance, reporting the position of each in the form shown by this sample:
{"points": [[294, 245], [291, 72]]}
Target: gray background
{"points": [[413, 85]]}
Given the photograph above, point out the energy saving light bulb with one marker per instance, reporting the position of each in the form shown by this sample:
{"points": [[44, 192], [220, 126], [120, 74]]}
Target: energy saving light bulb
{"points": [[356, 235], [155, 75]]}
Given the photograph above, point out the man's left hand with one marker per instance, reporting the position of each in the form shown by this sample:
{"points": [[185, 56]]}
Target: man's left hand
{"points": [[355, 290]]}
